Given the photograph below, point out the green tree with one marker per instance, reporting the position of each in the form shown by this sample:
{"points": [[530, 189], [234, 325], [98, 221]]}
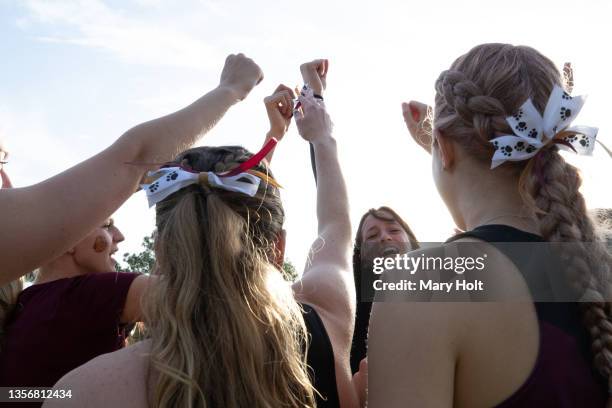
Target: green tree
{"points": [[289, 272], [141, 262]]}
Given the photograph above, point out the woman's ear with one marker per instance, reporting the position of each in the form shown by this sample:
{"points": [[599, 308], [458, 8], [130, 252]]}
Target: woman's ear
{"points": [[446, 149]]}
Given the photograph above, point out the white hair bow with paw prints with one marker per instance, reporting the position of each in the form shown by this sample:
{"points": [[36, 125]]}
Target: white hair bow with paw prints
{"points": [[532, 131], [165, 181], [243, 178]]}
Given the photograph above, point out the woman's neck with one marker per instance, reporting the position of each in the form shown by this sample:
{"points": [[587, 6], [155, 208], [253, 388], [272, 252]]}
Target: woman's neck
{"points": [[59, 268], [495, 201]]}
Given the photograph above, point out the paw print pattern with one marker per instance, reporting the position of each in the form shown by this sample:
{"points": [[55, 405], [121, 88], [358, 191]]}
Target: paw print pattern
{"points": [[519, 146], [566, 96], [565, 113], [521, 126], [570, 138], [154, 187], [533, 133], [530, 149], [172, 176], [496, 145], [507, 150], [584, 141], [518, 115]]}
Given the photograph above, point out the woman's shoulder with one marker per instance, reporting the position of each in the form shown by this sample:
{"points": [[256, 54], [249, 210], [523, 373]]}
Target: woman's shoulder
{"points": [[113, 379]]}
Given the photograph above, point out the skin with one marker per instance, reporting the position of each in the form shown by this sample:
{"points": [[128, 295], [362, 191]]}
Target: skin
{"points": [[456, 349], [39, 224], [5, 182], [379, 234], [383, 234], [279, 107], [94, 255], [326, 285], [314, 73]]}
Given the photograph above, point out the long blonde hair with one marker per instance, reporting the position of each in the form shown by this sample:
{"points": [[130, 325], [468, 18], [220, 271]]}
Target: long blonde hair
{"points": [[473, 98], [225, 328]]}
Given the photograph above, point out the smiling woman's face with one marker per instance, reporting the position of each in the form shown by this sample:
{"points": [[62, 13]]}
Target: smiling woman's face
{"points": [[94, 253], [384, 235]]}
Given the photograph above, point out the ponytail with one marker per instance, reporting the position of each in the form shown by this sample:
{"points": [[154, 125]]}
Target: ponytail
{"points": [[225, 329]]}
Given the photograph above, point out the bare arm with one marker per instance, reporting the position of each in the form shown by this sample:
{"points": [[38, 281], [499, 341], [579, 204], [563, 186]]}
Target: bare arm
{"points": [[40, 222], [314, 73], [132, 310], [328, 281]]}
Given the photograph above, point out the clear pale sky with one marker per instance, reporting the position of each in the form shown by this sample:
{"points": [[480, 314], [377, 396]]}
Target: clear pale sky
{"points": [[76, 74]]}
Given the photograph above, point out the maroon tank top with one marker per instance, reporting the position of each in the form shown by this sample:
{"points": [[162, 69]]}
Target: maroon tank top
{"points": [[60, 325], [562, 376]]}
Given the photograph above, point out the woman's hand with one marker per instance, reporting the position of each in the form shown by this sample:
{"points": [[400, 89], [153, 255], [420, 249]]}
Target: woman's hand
{"points": [[240, 75], [313, 122], [314, 74], [279, 106], [418, 119]]}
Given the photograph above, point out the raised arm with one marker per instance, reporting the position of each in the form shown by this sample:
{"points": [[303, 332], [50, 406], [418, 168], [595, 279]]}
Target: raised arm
{"points": [[40, 222], [327, 282], [314, 73]]}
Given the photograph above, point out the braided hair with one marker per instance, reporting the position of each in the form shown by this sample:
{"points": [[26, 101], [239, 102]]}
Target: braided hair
{"points": [[473, 98]]}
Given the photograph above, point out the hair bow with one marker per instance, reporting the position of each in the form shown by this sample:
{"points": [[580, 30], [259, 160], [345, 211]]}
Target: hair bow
{"points": [[242, 179], [533, 131]]}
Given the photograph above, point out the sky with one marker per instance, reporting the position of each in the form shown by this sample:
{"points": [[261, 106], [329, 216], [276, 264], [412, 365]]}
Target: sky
{"points": [[76, 74]]}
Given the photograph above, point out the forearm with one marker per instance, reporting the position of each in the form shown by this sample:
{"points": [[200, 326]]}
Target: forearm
{"points": [[313, 161], [332, 197], [159, 140]]}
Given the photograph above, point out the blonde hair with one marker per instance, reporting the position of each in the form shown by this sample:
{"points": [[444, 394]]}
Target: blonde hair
{"points": [[8, 299], [473, 98], [225, 328]]}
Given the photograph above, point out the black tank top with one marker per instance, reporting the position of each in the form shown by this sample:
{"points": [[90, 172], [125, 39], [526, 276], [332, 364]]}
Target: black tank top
{"points": [[320, 357], [563, 374]]}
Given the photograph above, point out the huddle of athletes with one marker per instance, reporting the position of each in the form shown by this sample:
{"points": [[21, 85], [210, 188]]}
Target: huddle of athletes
{"points": [[222, 328]]}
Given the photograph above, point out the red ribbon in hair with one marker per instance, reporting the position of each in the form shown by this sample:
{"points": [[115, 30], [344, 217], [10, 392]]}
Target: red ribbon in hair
{"points": [[254, 160]]}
